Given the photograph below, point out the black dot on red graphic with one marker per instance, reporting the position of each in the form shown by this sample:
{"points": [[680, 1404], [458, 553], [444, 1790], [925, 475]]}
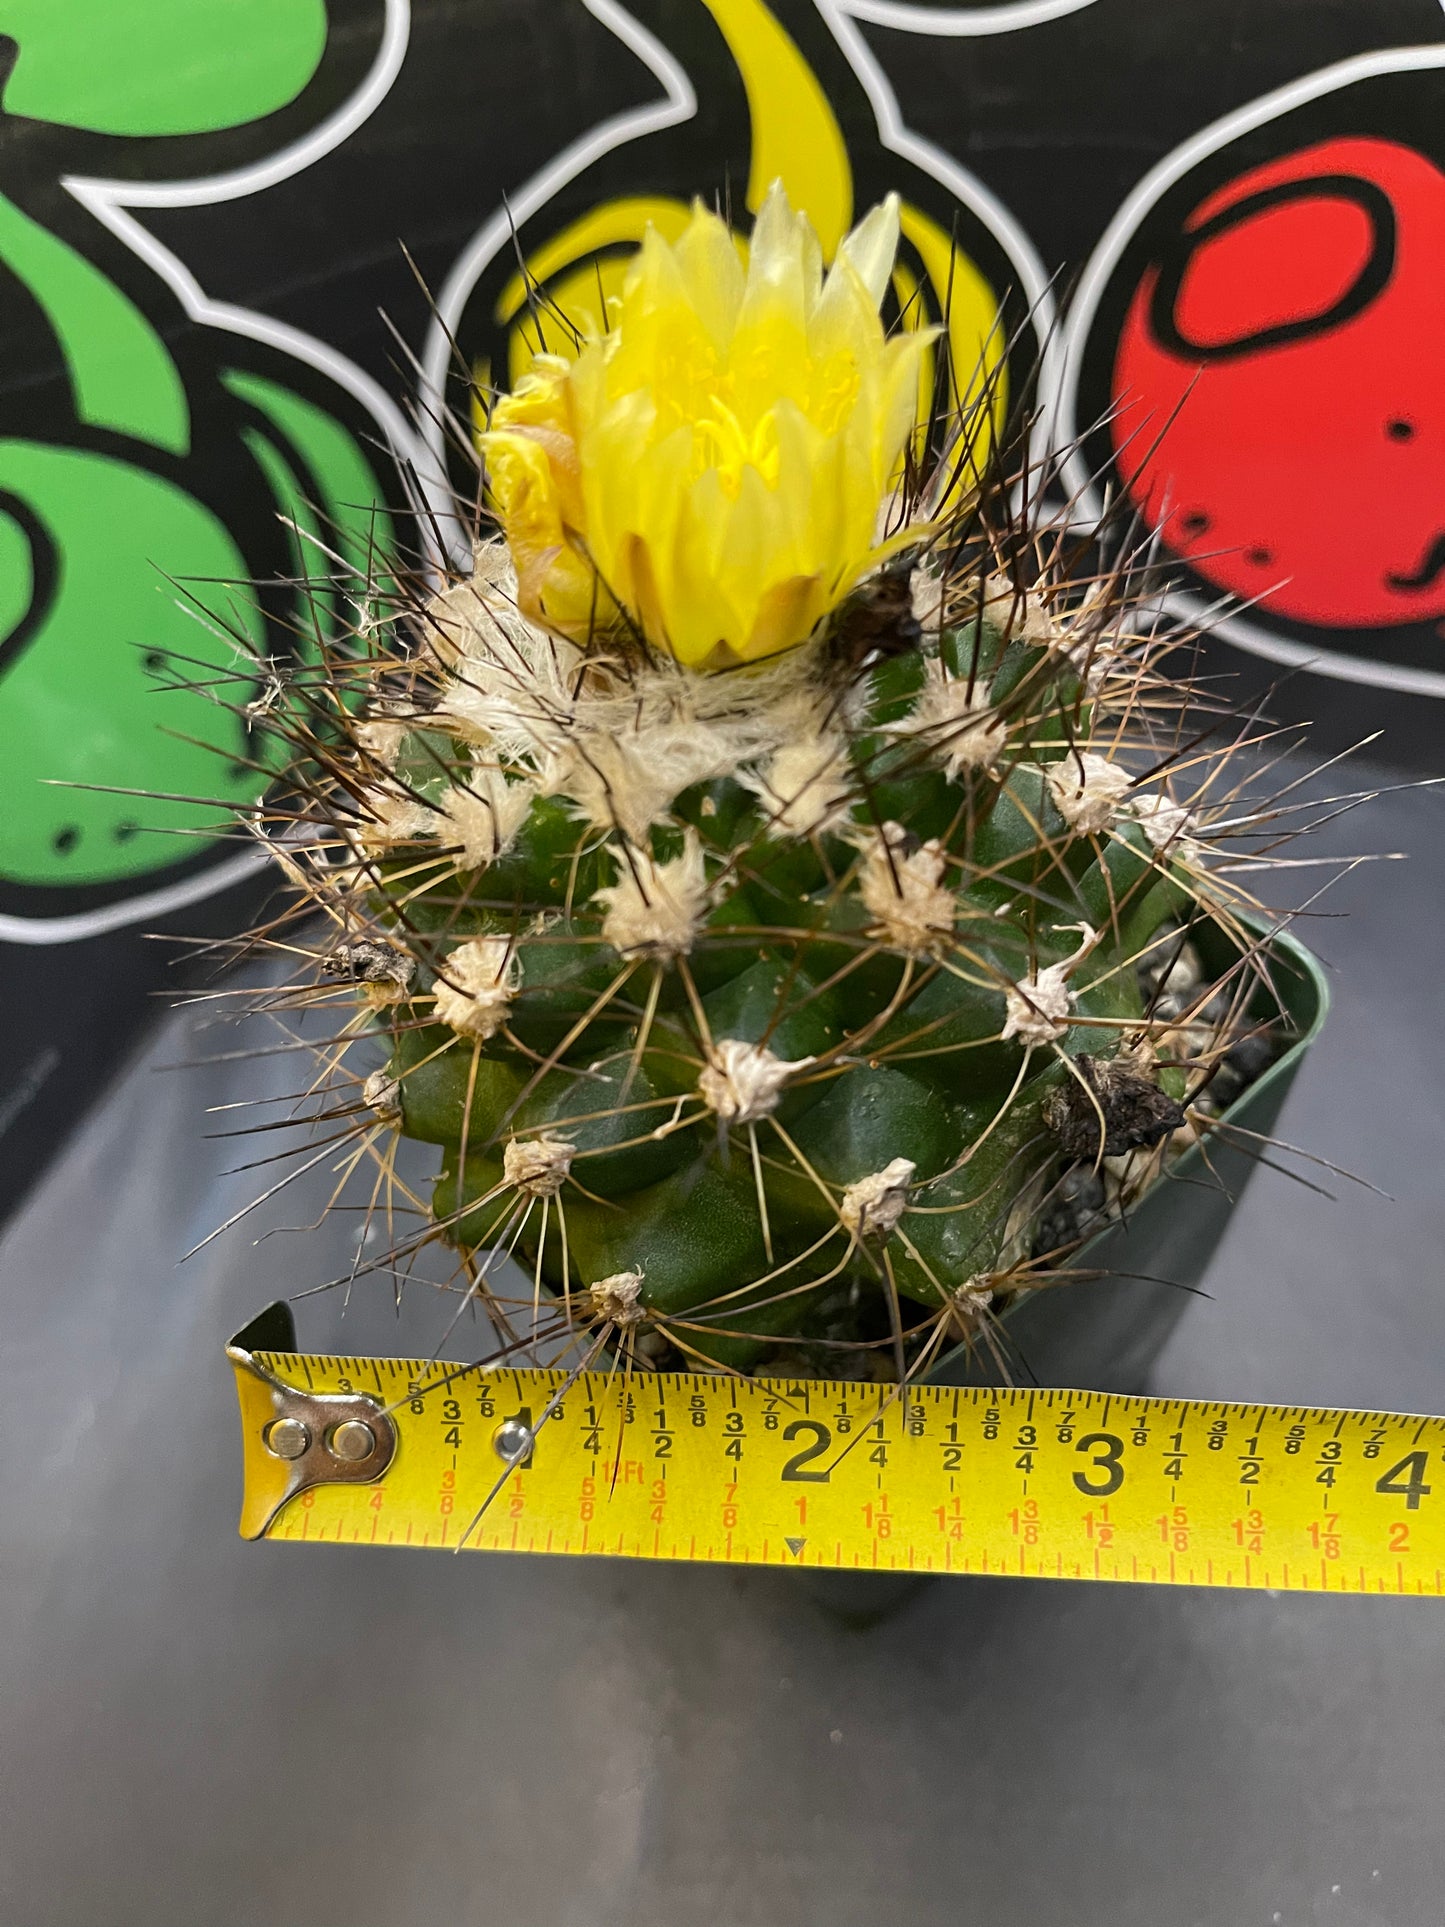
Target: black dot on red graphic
{"points": [[1400, 430], [1259, 558], [1196, 522]]}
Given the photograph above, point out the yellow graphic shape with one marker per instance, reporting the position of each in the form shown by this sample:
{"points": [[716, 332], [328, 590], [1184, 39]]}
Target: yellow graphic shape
{"points": [[796, 138], [913, 315], [976, 341]]}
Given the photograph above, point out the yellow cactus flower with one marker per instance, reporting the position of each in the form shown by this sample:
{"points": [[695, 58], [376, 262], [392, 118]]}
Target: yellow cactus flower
{"points": [[710, 468]]}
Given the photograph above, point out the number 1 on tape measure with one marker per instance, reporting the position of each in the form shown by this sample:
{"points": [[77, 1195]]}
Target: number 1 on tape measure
{"points": [[1040, 1483]]}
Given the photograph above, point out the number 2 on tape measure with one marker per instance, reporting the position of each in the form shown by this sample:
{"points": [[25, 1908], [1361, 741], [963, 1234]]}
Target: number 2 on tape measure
{"points": [[1043, 1484]]}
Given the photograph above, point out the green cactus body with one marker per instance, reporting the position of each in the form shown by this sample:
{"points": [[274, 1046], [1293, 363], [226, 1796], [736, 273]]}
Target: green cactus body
{"points": [[762, 994]]}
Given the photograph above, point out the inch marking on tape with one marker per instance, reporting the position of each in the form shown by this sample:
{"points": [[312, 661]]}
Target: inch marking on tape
{"points": [[1047, 1484]]}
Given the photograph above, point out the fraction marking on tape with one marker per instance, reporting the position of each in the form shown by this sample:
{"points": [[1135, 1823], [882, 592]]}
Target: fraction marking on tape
{"points": [[1041, 1483]]}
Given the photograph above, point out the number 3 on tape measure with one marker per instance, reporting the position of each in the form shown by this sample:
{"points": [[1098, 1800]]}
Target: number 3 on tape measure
{"points": [[1043, 1484], [1108, 1461]]}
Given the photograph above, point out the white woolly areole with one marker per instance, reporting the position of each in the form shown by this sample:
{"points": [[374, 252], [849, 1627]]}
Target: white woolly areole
{"points": [[1038, 1007], [742, 1082], [616, 733], [383, 1093], [388, 817], [1088, 790], [617, 1297], [481, 819], [1023, 613], [656, 909], [972, 1297], [380, 736], [627, 782], [872, 1206], [806, 786], [1164, 822], [481, 981], [903, 890], [926, 597], [479, 614], [1076, 630], [537, 1165], [956, 724], [1091, 640]]}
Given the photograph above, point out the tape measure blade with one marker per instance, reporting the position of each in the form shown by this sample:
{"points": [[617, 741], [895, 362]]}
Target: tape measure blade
{"points": [[1043, 1483]]}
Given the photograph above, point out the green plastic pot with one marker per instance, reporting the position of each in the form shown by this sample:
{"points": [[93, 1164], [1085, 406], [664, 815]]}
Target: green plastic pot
{"points": [[1103, 1332]]}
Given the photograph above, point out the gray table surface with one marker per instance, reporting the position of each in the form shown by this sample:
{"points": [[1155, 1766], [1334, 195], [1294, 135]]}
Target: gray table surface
{"points": [[201, 1731]]}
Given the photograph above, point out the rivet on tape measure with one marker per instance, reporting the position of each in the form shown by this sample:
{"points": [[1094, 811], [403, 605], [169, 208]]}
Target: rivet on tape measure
{"points": [[1044, 1483]]}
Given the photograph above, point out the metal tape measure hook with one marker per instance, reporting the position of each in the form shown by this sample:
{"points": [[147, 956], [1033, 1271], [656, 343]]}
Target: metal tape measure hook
{"points": [[306, 1438]]}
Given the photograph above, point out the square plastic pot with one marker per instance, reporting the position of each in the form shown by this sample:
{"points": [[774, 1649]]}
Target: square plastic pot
{"points": [[1105, 1331]]}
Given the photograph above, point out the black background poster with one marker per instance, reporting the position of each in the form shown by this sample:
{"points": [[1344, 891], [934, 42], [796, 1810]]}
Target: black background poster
{"points": [[1232, 212]]}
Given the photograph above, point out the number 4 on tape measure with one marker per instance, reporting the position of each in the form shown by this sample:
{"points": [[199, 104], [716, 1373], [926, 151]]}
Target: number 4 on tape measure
{"points": [[1043, 1483]]}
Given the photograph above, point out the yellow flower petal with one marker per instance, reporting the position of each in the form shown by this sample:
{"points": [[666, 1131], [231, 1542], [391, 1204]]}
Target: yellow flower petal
{"points": [[715, 459], [870, 248]]}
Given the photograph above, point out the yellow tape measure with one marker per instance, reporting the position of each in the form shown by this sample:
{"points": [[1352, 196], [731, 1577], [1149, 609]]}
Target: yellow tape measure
{"points": [[1045, 1483]]}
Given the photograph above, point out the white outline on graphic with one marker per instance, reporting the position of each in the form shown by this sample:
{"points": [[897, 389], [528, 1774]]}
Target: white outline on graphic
{"points": [[322, 139], [1059, 378], [948, 23], [679, 104], [108, 201], [896, 138], [116, 916]]}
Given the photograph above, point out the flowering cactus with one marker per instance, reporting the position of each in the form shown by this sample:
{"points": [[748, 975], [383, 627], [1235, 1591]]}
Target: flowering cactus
{"points": [[748, 866]]}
